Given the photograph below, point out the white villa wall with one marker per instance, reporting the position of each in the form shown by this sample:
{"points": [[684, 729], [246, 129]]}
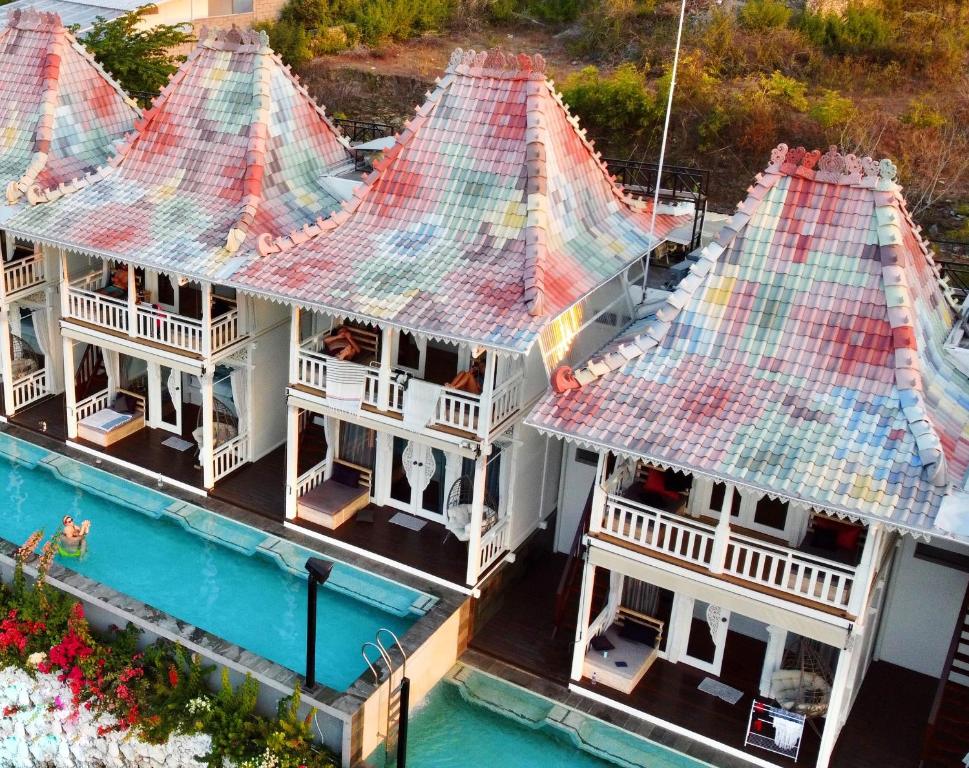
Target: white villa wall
{"points": [[921, 611], [530, 463], [270, 359]]}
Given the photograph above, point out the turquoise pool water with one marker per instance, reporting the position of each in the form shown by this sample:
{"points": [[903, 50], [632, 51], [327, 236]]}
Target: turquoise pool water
{"points": [[228, 579]]}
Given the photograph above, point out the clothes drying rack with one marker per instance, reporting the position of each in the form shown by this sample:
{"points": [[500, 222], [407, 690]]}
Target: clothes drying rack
{"points": [[775, 729]]}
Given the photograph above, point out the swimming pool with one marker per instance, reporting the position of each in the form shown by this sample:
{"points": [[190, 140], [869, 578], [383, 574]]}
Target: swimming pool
{"points": [[231, 580], [475, 720]]}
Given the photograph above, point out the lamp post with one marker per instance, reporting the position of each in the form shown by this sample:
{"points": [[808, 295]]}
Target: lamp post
{"points": [[319, 571]]}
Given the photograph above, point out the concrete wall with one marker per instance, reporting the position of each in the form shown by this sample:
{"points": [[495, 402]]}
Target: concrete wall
{"points": [[921, 611], [270, 358]]}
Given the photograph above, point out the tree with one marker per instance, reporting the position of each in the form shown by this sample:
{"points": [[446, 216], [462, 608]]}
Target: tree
{"points": [[139, 58]]}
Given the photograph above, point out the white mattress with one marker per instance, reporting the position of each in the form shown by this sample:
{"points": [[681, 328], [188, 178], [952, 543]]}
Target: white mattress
{"points": [[106, 419]]}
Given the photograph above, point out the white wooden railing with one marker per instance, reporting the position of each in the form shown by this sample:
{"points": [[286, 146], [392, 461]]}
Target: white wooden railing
{"points": [[494, 544], [169, 329], [788, 570], [230, 455], [225, 330], [664, 532], [310, 479], [89, 405], [506, 400], [458, 410], [31, 387], [23, 273], [97, 309], [311, 372], [748, 558]]}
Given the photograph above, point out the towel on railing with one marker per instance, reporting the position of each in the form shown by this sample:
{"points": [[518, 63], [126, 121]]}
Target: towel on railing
{"points": [[787, 733], [420, 403], [345, 385]]}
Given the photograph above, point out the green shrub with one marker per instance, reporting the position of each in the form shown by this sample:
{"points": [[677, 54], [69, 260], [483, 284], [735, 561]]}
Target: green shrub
{"points": [[920, 114], [616, 105], [764, 14], [832, 109], [860, 31], [785, 90], [289, 39]]}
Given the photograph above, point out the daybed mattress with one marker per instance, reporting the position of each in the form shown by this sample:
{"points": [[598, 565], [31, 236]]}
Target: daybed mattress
{"points": [[637, 656], [106, 420]]}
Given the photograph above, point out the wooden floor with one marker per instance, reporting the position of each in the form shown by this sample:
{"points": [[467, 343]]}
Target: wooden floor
{"points": [[426, 549], [259, 486], [47, 416]]}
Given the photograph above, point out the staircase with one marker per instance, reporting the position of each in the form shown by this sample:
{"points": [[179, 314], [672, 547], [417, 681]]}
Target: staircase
{"points": [[566, 596], [395, 736], [946, 741], [91, 375]]}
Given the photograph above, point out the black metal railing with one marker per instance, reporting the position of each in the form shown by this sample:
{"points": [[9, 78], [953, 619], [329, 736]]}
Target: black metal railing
{"points": [[957, 273], [677, 184], [359, 131]]}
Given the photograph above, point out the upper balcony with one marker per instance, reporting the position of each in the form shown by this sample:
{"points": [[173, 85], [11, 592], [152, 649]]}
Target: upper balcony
{"points": [[23, 272], [400, 382], [108, 304], [763, 544]]}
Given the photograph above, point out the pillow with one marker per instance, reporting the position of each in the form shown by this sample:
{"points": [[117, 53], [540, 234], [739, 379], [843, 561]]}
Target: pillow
{"points": [[601, 643], [345, 475], [638, 633], [123, 404], [847, 537], [824, 537]]}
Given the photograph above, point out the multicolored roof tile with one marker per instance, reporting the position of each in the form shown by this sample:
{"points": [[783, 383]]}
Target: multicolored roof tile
{"points": [[60, 113], [231, 148], [490, 216], [802, 355]]}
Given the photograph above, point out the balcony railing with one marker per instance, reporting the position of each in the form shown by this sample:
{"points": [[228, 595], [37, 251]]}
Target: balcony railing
{"points": [[230, 455], [753, 560], [493, 544], [21, 274], [456, 409], [86, 304], [30, 388]]}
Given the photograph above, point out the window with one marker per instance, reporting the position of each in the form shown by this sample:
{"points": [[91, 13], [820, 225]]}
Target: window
{"points": [[408, 352], [584, 456], [771, 513], [358, 444], [717, 496]]}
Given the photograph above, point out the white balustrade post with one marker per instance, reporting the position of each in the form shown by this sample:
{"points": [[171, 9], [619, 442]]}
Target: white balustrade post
{"points": [[65, 292], [6, 361], [721, 537], [834, 718], [773, 657], [208, 436], [294, 342], [598, 495], [206, 321], [487, 393], [582, 624], [292, 458], [477, 514], [132, 302], [386, 368], [864, 573], [70, 387]]}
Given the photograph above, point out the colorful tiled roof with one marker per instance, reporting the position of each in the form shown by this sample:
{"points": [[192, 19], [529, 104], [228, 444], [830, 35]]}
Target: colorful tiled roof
{"points": [[60, 113], [803, 354], [232, 147], [491, 215]]}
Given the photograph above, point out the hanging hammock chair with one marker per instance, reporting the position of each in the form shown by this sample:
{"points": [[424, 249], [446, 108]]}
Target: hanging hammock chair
{"points": [[225, 425], [24, 359], [458, 512], [803, 683]]}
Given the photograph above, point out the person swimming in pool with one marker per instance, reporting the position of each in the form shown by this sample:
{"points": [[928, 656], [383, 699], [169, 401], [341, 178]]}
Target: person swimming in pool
{"points": [[74, 536]]}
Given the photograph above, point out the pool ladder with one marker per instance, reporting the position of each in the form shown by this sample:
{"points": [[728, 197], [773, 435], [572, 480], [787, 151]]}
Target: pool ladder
{"points": [[398, 694]]}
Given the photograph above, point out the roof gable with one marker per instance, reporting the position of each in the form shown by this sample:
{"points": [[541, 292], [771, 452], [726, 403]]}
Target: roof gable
{"points": [[803, 354], [232, 144], [62, 112], [490, 215]]}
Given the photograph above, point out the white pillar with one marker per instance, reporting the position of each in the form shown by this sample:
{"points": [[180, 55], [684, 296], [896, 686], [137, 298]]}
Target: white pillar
{"points": [[65, 295], [294, 342], [6, 361], [865, 572], [386, 368], [773, 657], [598, 494], [292, 458], [721, 538], [132, 302], [582, 624], [208, 409], [477, 514], [70, 387], [206, 321], [54, 362], [834, 718], [487, 391]]}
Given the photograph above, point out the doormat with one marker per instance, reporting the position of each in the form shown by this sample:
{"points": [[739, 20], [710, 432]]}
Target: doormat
{"points": [[408, 521], [721, 691], [177, 443]]}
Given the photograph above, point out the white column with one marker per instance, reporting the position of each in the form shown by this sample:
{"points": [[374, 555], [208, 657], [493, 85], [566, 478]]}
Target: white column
{"points": [[206, 321], [722, 535], [477, 513], [6, 361], [386, 368], [294, 342], [865, 571], [70, 387], [132, 302], [487, 391], [834, 718], [292, 458], [598, 494], [208, 407], [773, 656], [65, 297], [582, 625], [54, 362]]}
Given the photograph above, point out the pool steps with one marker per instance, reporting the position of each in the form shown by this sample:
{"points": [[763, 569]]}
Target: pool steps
{"points": [[605, 741], [360, 585]]}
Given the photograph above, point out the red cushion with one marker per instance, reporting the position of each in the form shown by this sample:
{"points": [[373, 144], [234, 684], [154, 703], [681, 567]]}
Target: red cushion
{"points": [[848, 537], [655, 482]]}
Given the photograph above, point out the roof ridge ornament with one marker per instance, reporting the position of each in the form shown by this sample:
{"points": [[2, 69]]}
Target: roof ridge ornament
{"points": [[833, 167], [232, 39], [495, 62], [32, 19]]}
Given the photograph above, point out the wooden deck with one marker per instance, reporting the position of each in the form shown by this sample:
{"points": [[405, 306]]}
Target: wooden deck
{"points": [[426, 549], [259, 486], [47, 416]]}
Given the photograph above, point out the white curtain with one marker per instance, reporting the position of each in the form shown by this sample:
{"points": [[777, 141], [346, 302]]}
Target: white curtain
{"points": [[239, 379], [112, 365], [799, 525], [174, 385], [15, 321], [42, 331], [608, 616]]}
